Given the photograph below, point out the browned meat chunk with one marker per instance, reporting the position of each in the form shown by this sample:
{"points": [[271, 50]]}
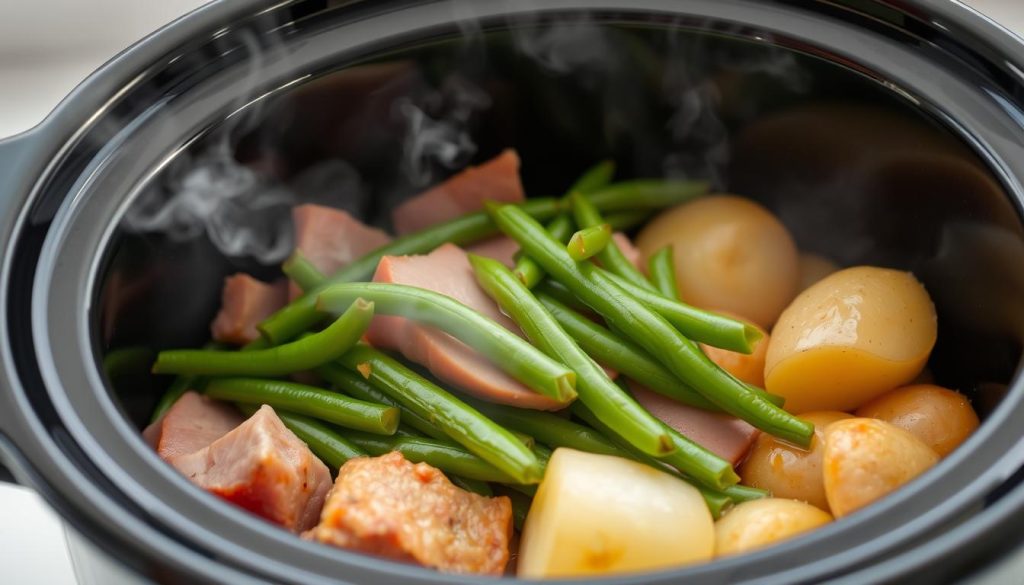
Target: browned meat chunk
{"points": [[446, 270], [389, 507], [331, 238], [464, 192], [262, 467], [245, 302], [193, 422]]}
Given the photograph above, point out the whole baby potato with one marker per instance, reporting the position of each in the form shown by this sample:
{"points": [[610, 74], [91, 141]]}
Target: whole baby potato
{"points": [[759, 523], [730, 254], [866, 459], [854, 335], [788, 471], [938, 416]]}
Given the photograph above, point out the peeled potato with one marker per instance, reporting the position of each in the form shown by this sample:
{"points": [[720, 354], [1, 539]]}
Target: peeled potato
{"points": [[758, 523], [813, 268], [604, 515], [940, 417], [849, 338], [730, 253], [788, 471], [746, 367], [866, 459]]}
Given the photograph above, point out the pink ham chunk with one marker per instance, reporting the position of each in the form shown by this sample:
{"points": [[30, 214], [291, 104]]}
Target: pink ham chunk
{"points": [[331, 238], [728, 437], [262, 467], [464, 192], [245, 302], [191, 423], [502, 248], [629, 250], [446, 270]]}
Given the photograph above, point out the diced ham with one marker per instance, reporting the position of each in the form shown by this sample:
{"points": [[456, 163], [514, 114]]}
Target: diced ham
{"points": [[388, 507], [262, 467], [245, 302], [464, 192], [331, 238], [500, 248], [725, 436], [191, 423], [446, 270], [629, 250]]}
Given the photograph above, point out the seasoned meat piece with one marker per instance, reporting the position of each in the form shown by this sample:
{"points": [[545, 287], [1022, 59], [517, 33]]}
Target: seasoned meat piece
{"points": [[389, 507], [262, 467], [191, 423], [500, 248], [446, 270], [726, 436], [245, 302], [331, 238], [464, 192]]}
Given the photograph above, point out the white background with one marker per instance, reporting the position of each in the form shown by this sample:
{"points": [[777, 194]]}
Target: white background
{"points": [[46, 48]]}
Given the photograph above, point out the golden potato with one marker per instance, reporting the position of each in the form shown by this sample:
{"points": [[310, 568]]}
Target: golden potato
{"points": [[604, 515], [758, 523], [852, 336], [940, 417], [813, 268], [730, 253], [866, 459], [788, 471], [746, 367]]}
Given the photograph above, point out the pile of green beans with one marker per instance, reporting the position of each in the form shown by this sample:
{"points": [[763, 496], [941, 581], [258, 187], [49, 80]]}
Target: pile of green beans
{"points": [[661, 269], [589, 241], [610, 256]]}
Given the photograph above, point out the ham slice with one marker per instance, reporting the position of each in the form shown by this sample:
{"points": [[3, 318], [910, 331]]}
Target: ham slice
{"points": [[245, 302], [464, 192], [262, 467], [725, 436], [502, 248], [331, 238], [446, 270], [388, 507], [629, 250], [191, 423]]}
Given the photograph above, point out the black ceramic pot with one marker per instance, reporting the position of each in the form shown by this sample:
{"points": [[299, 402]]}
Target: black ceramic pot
{"points": [[881, 131]]}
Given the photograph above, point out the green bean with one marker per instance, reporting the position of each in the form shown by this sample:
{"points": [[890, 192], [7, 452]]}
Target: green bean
{"points": [[549, 429], [480, 488], [595, 177], [589, 241], [649, 329], [458, 421], [696, 324], [325, 442], [528, 441], [625, 220], [301, 313], [742, 493], [357, 387], [443, 455], [307, 400], [594, 387], [520, 504], [611, 256], [662, 270], [505, 349], [179, 386], [302, 354], [526, 269], [301, 271], [645, 194], [529, 490], [125, 361]]}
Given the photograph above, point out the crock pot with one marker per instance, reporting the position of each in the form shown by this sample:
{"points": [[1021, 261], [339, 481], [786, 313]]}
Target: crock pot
{"points": [[880, 131]]}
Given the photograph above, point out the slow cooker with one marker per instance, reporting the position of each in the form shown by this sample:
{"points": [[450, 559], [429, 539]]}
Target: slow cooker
{"points": [[880, 131]]}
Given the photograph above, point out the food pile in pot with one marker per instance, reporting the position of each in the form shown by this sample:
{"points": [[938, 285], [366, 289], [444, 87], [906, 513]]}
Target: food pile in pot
{"points": [[516, 385]]}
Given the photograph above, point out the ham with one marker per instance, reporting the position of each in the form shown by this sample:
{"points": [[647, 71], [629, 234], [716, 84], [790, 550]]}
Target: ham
{"points": [[331, 238], [629, 250], [728, 437], [501, 248], [464, 192], [446, 270], [263, 467], [191, 423], [389, 507], [245, 302]]}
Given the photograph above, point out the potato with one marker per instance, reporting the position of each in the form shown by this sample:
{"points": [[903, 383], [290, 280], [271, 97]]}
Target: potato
{"points": [[940, 417], [746, 367], [788, 471], [604, 515], [730, 254], [866, 459], [852, 336], [813, 268], [758, 523]]}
